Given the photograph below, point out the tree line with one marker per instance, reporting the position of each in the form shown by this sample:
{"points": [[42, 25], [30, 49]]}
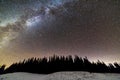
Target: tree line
{"points": [[60, 63]]}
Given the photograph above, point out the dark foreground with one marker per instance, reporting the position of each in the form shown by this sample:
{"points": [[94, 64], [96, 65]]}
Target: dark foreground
{"points": [[60, 63]]}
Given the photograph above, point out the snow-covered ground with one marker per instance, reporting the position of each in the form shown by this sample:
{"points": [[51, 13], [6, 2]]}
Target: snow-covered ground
{"points": [[60, 76]]}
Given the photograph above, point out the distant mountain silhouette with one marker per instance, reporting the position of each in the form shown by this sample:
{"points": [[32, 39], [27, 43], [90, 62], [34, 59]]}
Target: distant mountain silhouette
{"points": [[60, 63]]}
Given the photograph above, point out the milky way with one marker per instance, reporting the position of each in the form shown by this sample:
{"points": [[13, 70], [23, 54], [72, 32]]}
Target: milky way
{"points": [[30, 28]]}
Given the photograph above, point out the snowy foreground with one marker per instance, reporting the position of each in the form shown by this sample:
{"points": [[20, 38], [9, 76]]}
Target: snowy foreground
{"points": [[60, 76]]}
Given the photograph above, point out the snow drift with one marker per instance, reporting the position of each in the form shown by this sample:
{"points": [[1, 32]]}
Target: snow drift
{"points": [[61, 76]]}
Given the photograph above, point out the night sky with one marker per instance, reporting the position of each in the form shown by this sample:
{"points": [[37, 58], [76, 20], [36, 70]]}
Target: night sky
{"points": [[37, 28]]}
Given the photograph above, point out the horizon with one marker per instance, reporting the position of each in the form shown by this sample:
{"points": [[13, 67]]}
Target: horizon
{"points": [[60, 63], [48, 57]]}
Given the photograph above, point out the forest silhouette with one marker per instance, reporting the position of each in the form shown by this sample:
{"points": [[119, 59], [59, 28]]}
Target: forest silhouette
{"points": [[60, 63]]}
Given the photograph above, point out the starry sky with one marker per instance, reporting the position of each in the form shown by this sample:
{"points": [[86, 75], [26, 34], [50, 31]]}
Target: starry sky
{"points": [[37, 28]]}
